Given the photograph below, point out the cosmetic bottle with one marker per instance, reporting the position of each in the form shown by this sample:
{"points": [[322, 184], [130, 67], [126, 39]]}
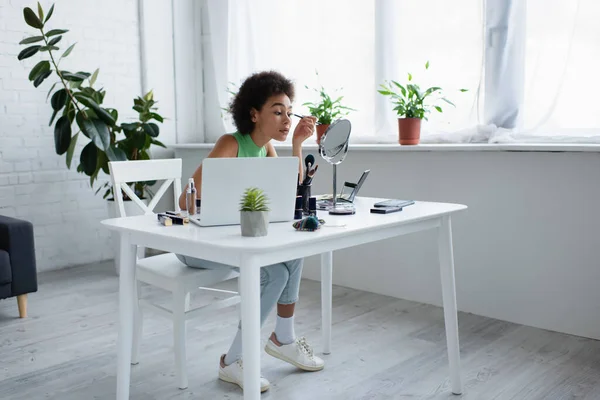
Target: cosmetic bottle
{"points": [[190, 197]]}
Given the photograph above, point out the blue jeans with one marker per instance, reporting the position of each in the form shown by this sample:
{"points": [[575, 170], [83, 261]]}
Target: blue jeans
{"points": [[279, 283]]}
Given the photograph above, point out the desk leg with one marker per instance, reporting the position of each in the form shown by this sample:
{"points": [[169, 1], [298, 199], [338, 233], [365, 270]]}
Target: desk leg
{"points": [[250, 300], [326, 295], [127, 261], [449, 298]]}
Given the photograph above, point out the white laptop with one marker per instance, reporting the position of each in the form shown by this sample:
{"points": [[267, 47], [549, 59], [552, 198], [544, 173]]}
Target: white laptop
{"points": [[224, 181]]}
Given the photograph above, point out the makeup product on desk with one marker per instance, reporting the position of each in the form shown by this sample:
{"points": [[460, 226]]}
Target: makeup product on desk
{"points": [[178, 214], [312, 206], [190, 197], [177, 220], [298, 212], [385, 210], [165, 220]]}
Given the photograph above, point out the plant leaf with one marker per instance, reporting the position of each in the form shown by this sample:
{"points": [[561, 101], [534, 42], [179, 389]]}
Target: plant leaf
{"points": [[40, 68], [68, 51], [129, 126], [116, 154], [54, 41], [31, 39], [40, 11], [48, 48], [52, 117], [156, 117], [156, 142], [38, 81], [88, 158], [95, 129], [103, 163], [55, 32], [28, 52], [62, 135], [100, 112], [447, 101], [50, 91], [409, 77], [59, 99], [427, 65], [31, 19], [151, 129], [76, 77], [438, 108], [49, 14], [94, 76], [71, 150]]}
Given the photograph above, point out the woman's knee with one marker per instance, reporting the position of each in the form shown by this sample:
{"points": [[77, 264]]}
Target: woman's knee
{"points": [[294, 266], [276, 275]]}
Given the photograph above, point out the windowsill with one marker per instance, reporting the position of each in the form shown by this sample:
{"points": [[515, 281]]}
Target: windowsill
{"points": [[525, 147]]}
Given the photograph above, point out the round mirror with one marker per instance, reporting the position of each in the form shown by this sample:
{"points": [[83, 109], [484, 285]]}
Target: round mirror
{"points": [[334, 143], [333, 148]]}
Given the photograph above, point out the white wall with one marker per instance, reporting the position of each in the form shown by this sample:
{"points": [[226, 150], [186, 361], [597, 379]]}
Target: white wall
{"points": [[526, 250], [34, 182]]}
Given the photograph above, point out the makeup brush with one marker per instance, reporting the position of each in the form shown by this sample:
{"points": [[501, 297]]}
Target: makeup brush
{"points": [[302, 116], [310, 175], [309, 161]]}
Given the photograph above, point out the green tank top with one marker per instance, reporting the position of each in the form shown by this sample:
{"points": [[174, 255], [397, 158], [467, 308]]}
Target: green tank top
{"points": [[247, 147]]}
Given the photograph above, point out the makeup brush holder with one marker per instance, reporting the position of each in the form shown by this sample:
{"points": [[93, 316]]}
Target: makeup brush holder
{"points": [[304, 191]]}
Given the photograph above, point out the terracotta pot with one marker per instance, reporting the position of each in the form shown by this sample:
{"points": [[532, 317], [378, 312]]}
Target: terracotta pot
{"points": [[320, 131], [410, 130]]}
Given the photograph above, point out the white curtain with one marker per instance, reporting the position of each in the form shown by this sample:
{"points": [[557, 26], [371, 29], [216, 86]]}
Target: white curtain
{"points": [[559, 64]]}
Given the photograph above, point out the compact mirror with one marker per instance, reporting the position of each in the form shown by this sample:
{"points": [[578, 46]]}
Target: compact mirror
{"points": [[333, 149]]}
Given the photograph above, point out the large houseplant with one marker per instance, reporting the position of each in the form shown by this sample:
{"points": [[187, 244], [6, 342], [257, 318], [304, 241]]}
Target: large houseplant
{"points": [[80, 107], [326, 110], [412, 105]]}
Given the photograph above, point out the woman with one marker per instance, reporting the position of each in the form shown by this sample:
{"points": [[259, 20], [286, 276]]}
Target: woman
{"points": [[262, 112]]}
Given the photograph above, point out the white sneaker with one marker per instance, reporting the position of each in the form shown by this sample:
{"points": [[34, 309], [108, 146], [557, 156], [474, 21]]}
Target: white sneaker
{"points": [[234, 373], [299, 353]]}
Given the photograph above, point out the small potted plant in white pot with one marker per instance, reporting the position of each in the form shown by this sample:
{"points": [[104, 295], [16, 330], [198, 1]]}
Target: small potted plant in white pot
{"points": [[254, 213], [410, 105]]}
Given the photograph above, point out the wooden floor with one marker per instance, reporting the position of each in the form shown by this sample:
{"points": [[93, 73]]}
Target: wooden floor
{"points": [[383, 348]]}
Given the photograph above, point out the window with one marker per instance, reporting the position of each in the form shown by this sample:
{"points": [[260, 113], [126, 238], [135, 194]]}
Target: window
{"points": [[529, 67]]}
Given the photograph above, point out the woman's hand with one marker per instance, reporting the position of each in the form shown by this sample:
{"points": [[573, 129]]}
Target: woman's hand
{"points": [[304, 130]]}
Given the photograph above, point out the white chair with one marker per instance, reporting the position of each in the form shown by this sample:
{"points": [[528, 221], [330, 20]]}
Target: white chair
{"points": [[166, 271]]}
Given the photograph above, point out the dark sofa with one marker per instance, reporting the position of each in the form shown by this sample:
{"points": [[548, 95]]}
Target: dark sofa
{"points": [[18, 275]]}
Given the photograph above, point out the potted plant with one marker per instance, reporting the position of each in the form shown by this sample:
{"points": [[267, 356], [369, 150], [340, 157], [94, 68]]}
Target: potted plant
{"points": [[254, 213], [81, 115], [410, 105], [326, 110]]}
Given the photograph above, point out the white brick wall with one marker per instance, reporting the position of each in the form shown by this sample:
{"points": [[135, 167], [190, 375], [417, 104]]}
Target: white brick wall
{"points": [[35, 183]]}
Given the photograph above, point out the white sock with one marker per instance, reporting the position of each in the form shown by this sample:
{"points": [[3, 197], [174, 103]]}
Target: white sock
{"points": [[284, 330], [235, 351]]}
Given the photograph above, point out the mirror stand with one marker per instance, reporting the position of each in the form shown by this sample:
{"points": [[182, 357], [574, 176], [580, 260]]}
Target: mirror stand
{"points": [[339, 208]]}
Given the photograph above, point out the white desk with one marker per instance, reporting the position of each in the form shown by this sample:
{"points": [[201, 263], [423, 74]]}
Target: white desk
{"points": [[226, 245]]}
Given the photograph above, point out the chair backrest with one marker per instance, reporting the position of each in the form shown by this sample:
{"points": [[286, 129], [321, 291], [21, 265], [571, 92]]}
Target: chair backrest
{"points": [[123, 172]]}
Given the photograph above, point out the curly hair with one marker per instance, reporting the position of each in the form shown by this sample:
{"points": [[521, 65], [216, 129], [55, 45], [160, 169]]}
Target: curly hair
{"points": [[253, 93]]}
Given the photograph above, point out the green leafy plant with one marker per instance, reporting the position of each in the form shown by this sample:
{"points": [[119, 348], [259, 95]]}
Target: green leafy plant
{"points": [[80, 107], [254, 199], [410, 100], [327, 109]]}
